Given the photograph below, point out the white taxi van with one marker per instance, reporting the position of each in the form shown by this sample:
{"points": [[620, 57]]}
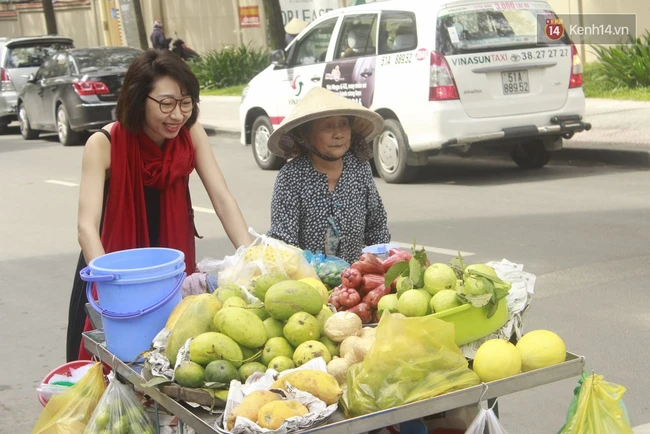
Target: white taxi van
{"points": [[447, 77]]}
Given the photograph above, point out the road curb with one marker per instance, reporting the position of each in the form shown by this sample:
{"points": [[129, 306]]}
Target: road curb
{"points": [[622, 157], [212, 131]]}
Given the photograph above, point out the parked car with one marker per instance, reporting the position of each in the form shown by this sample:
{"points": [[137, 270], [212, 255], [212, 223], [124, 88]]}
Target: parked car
{"points": [[20, 57], [74, 91], [448, 76]]}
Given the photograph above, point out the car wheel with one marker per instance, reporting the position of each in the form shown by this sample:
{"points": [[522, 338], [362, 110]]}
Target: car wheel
{"points": [[530, 155], [260, 134], [67, 137], [25, 128], [390, 152]]}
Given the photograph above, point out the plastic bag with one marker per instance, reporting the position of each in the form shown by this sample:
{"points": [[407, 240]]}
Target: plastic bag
{"points": [[328, 268], [486, 423], [597, 408], [264, 255], [412, 359], [69, 412], [119, 411]]}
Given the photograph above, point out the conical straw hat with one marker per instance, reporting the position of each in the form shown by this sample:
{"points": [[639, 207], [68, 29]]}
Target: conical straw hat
{"points": [[321, 103], [295, 26]]}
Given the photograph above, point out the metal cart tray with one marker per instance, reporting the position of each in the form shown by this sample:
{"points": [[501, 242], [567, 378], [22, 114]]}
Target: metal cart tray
{"points": [[202, 421]]}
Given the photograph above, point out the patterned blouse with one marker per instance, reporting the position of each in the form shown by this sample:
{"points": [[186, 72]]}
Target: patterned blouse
{"points": [[342, 222]]}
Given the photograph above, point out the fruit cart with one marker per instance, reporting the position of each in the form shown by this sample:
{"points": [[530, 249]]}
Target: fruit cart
{"points": [[204, 423]]}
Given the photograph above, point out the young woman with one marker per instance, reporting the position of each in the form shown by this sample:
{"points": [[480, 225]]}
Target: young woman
{"points": [[134, 188]]}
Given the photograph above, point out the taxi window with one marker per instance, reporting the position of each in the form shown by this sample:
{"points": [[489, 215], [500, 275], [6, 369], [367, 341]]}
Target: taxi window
{"points": [[397, 32], [488, 26], [312, 48], [358, 36]]}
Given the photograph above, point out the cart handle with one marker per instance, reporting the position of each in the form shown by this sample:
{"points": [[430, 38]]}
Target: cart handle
{"points": [[120, 315]]}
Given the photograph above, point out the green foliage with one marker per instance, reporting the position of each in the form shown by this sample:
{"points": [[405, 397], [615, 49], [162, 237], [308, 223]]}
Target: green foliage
{"points": [[229, 67], [623, 66]]}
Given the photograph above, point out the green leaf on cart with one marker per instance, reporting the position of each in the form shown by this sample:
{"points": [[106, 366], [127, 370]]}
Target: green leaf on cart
{"points": [[415, 272], [492, 309], [214, 385], [394, 271], [421, 257], [478, 300], [156, 381]]}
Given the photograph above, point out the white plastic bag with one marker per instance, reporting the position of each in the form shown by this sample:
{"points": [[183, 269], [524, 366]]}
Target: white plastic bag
{"points": [[486, 423], [264, 255]]}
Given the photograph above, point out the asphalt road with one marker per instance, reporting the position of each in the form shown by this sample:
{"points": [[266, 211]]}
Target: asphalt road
{"points": [[584, 230]]}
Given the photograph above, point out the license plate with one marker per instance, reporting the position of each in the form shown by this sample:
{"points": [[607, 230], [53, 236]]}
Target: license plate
{"points": [[515, 82]]}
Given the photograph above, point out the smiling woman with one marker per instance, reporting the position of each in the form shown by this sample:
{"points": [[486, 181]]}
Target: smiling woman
{"points": [[134, 189]]}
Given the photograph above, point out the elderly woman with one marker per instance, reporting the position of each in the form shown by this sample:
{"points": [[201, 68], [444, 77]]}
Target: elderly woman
{"points": [[325, 198]]}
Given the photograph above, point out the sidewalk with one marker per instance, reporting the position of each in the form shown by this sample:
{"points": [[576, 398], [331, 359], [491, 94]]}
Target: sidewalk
{"points": [[642, 429], [620, 132]]}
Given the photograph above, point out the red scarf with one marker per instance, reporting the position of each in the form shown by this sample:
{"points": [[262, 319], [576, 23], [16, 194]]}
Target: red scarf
{"points": [[136, 161]]}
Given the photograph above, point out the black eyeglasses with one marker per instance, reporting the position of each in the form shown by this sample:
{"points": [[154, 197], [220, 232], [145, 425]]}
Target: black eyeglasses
{"points": [[168, 104]]}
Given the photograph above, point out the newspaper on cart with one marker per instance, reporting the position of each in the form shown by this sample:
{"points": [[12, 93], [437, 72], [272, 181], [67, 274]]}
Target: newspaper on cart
{"points": [[518, 300], [319, 411]]}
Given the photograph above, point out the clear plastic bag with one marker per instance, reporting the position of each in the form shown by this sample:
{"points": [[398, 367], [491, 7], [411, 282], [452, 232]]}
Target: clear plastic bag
{"points": [[328, 268], [69, 412], [597, 408], [486, 423], [264, 255], [412, 359], [119, 411]]}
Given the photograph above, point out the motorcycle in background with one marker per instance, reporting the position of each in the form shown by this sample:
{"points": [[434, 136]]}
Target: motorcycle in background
{"points": [[182, 50]]}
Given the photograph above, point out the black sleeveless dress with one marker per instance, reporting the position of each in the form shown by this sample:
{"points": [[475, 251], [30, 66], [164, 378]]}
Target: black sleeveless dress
{"points": [[78, 300]]}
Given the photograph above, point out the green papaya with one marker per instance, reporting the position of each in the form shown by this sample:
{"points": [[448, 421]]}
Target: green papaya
{"points": [[242, 326], [211, 346], [285, 298], [195, 320]]}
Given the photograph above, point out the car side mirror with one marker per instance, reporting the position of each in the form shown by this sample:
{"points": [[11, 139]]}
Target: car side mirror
{"points": [[31, 78], [278, 58]]}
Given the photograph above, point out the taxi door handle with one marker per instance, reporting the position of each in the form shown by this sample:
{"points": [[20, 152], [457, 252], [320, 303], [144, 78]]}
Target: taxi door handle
{"points": [[315, 78], [366, 74]]}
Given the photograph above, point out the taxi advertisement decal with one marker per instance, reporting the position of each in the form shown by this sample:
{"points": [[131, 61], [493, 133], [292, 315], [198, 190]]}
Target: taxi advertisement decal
{"points": [[352, 78]]}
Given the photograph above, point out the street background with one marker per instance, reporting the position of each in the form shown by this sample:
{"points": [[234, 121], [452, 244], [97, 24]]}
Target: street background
{"points": [[581, 225]]}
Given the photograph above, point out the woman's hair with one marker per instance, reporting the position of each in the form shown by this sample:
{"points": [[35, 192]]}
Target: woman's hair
{"points": [[139, 81]]}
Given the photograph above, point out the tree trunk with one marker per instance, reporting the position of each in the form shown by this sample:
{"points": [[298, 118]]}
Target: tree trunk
{"points": [[274, 21], [50, 21], [139, 21]]}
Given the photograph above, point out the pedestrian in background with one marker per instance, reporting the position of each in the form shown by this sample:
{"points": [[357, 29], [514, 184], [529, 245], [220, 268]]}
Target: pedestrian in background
{"points": [[158, 40], [292, 29]]}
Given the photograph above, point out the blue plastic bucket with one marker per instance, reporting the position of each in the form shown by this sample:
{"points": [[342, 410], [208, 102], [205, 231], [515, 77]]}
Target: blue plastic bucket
{"points": [[128, 334], [380, 250], [130, 280]]}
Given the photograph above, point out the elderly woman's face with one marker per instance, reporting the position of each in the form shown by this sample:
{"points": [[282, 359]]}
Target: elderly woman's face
{"points": [[331, 136]]}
